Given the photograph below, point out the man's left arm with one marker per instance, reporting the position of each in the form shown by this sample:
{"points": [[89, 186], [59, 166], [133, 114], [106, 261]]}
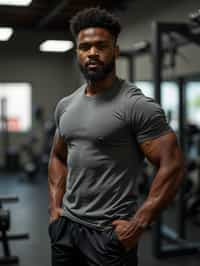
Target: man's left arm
{"points": [[164, 153]]}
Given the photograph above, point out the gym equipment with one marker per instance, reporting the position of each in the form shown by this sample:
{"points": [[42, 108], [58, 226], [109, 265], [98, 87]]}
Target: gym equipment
{"points": [[21, 158], [30, 164], [36, 160], [188, 32], [167, 38], [10, 153], [4, 227], [30, 150], [4, 130], [137, 49], [195, 17]]}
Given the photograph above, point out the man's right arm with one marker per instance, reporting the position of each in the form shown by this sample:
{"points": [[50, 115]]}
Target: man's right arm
{"points": [[57, 172]]}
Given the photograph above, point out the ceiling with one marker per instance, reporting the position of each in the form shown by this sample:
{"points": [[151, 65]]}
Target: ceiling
{"points": [[51, 14]]}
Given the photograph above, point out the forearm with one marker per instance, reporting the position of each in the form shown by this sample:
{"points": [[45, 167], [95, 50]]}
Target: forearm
{"points": [[162, 191], [57, 172], [164, 153]]}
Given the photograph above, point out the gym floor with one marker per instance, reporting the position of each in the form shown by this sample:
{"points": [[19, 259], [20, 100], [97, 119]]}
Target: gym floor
{"points": [[30, 215]]}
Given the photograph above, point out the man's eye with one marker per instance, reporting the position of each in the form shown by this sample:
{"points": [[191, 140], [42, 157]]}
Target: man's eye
{"points": [[84, 47], [101, 46]]}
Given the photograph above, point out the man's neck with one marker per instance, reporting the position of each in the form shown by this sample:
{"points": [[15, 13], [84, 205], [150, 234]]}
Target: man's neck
{"points": [[100, 85]]}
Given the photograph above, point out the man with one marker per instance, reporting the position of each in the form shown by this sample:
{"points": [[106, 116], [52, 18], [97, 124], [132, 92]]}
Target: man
{"points": [[104, 131]]}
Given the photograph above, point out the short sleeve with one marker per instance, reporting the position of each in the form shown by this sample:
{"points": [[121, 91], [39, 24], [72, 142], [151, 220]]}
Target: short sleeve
{"points": [[57, 114], [147, 119]]}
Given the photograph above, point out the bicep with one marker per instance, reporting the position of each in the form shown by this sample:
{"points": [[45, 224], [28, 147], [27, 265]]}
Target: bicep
{"points": [[59, 147], [163, 150]]}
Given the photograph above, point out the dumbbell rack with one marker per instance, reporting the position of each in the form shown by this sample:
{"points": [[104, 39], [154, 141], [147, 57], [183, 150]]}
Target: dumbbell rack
{"points": [[4, 238]]}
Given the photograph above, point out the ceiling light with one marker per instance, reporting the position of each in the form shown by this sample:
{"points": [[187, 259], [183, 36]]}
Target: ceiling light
{"points": [[15, 2], [5, 33], [56, 46]]}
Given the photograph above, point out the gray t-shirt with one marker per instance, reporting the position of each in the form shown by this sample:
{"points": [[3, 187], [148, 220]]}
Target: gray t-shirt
{"points": [[102, 135]]}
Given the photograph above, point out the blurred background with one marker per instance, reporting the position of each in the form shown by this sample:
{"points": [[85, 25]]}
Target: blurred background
{"points": [[160, 53]]}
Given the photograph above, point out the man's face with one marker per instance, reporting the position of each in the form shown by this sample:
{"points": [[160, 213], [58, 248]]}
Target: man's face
{"points": [[96, 53]]}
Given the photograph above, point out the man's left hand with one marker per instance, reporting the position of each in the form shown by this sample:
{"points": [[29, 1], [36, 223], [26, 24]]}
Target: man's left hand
{"points": [[128, 232]]}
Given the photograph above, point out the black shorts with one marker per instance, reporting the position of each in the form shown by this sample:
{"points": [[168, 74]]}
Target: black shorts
{"points": [[73, 244]]}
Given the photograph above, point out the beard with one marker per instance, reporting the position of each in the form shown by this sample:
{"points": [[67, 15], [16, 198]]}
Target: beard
{"points": [[100, 73]]}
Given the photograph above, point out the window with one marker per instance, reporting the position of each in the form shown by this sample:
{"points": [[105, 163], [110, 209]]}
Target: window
{"points": [[193, 102], [169, 98], [146, 87], [15, 105]]}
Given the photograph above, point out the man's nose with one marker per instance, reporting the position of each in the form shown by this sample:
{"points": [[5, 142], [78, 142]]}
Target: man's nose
{"points": [[93, 52]]}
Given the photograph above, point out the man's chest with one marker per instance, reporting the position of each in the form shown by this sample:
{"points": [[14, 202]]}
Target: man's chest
{"points": [[94, 122]]}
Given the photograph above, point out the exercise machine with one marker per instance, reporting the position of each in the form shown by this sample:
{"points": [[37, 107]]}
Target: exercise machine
{"points": [[167, 38], [182, 34], [5, 221]]}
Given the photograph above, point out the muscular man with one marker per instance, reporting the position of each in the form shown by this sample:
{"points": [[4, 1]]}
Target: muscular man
{"points": [[104, 131]]}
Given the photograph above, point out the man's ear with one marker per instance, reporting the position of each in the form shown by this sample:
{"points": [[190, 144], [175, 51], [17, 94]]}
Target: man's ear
{"points": [[117, 51]]}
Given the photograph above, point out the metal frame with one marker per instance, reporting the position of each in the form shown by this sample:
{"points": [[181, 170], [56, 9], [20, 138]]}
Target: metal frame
{"points": [[138, 49], [158, 48], [181, 246], [131, 64]]}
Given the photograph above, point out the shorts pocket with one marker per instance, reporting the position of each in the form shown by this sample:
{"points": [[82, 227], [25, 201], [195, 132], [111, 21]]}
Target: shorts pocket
{"points": [[55, 228], [116, 239]]}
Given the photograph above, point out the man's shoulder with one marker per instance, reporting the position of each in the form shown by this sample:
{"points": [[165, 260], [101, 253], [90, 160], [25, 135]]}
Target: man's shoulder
{"points": [[130, 92], [135, 100], [63, 102]]}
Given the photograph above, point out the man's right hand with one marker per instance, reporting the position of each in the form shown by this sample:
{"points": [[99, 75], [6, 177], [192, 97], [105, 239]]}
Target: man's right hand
{"points": [[55, 214]]}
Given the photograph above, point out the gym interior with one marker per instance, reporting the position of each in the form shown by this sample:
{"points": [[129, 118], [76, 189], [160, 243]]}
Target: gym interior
{"points": [[159, 52]]}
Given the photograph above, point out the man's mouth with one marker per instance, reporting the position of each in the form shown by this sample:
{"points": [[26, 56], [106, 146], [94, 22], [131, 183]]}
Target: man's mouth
{"points": [[93, 64]]}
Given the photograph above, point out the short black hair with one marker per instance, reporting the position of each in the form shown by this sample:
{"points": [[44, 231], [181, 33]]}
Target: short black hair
{"points": [[95, 17]]}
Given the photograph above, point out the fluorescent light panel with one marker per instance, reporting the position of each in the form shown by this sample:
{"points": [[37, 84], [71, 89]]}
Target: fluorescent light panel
{"points": [[5, 33], [56, 46], [15, 2]]}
